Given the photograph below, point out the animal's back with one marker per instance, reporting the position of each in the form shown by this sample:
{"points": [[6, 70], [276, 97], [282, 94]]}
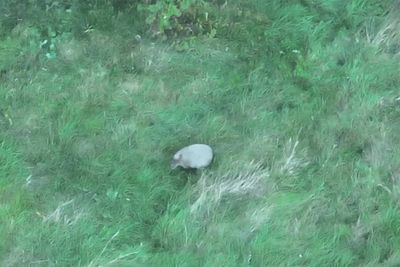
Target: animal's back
{"points": [[196, 156]]}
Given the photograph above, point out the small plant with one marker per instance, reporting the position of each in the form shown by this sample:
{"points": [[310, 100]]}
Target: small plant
{"points": [[177, 17], [54, 43], [49, 45]]}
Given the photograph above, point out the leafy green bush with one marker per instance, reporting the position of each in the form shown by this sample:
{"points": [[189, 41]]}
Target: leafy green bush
{"points": [[177, 17]]}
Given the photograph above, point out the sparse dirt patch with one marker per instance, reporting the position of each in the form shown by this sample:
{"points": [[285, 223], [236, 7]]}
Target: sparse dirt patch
{"points": [[84, 148], [71, 50], [130, 85]]}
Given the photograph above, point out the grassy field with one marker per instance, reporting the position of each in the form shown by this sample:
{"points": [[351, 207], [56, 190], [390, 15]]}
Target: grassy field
{"points": [[299, 99]]}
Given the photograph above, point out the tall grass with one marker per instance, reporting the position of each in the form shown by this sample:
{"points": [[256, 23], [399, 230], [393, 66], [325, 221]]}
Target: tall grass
{"points": [[297, 98]]}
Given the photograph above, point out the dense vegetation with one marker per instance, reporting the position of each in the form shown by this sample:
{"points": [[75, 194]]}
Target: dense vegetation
{"points": [[299, 100]]}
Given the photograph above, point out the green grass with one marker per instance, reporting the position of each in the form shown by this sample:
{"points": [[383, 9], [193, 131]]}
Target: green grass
{"points": [[297, 98]]}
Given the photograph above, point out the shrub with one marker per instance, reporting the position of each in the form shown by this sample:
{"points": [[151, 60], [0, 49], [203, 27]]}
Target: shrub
{"points": [[177, 17]]}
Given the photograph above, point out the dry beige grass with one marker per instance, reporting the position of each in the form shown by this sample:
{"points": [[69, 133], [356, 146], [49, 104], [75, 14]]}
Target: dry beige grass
{"points": [[234, 184], [386, 36]]}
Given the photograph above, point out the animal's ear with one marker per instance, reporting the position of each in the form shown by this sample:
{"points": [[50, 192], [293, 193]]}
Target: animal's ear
{"points": [[177, 156], [176, 161]]}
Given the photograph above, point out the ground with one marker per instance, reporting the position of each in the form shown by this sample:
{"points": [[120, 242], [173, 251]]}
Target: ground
{"points": [[299, 102]]}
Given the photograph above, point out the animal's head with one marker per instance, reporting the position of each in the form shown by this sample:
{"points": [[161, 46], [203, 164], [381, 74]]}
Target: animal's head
{"points": [[176, 161]]}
